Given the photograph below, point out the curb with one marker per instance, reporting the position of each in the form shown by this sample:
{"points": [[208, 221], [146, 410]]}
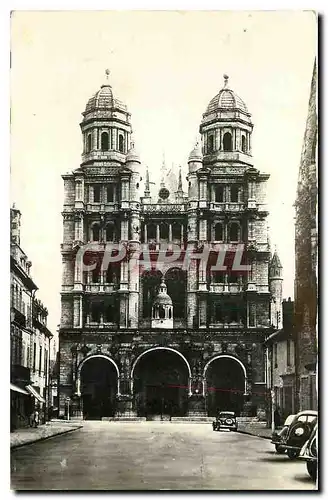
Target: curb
{"points": [[15, 446], [255, 435]]}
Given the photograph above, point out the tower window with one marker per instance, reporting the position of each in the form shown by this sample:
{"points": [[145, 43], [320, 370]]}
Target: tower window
{"points": [[234, 194], [110, 232], [227, 142], [104, 141], [95, 232], [210, 144], [219, 194], [95, 312], [121, 143], [234, 232], [218, 232], [88, 143], [243, 143], [110, 193], [96, 194]]}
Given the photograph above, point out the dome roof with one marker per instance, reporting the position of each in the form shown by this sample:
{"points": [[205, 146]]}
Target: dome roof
{"points": [[162, 297], [132, 154], [196, 154], [104, 99], [226, 99]]}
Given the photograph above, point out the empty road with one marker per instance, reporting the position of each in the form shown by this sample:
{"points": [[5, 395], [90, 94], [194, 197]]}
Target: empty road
{"points": [[154, 456]]}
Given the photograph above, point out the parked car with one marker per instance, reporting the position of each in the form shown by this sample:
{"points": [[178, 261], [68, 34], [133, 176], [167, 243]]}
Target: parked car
{"points": [[225, 420], [297, 432], [278, 437], [309, 452]]}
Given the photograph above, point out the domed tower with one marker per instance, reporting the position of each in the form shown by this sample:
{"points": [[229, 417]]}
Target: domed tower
{"points": [[162, 310], [226, 128], [275, 285], [106, 127]]}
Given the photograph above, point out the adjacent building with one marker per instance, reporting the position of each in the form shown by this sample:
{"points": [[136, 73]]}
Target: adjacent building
{"points": [[30, 337], [142, 333], [306, 289], [281, 364]]}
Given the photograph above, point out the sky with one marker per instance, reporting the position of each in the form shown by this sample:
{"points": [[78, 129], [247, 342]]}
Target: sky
{"points": [[166, 66]]}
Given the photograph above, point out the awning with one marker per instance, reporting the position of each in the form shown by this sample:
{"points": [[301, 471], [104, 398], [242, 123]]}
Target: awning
{"points": [[15, 388], [35, 393]]}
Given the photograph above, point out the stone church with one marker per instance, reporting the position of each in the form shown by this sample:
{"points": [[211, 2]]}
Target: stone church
{"points": [[175, 334]]}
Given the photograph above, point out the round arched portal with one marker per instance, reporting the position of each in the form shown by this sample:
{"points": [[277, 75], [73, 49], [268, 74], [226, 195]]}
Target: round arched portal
{"points": [[98, 386], [161, 383], [225, 384]]}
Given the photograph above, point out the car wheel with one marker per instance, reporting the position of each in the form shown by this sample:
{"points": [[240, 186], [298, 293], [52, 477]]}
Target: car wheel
{"points": [[293, 454], [312, 470], [280, 449]]}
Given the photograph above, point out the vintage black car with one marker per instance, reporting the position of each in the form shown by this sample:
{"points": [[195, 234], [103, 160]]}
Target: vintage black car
{"points": [[309, 452], [278, 437], [293, 436], [225, 420]]}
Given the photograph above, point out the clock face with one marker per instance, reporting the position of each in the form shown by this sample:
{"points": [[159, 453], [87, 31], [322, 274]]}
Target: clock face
{"points": [[164, 193]]}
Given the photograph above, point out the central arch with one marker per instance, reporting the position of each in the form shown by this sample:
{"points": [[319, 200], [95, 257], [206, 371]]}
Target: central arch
{"points": [[98, 386], [160, 380], [225, 384]]}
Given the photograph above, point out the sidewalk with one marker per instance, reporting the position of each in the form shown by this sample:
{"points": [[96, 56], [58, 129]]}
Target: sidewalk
{"points": [[29, 435], [255, 428]]}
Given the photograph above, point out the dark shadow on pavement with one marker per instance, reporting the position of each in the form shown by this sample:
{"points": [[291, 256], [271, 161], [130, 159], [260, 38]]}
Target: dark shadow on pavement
{"points": [[304, 479], [276, 459]]}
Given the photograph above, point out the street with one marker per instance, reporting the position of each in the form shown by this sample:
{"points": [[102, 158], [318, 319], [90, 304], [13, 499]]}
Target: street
{"points": [[154, 456]]}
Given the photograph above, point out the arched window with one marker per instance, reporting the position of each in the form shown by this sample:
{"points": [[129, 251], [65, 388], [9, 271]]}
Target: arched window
{"points": [[96, 193], [170, 313], [110, 232], [110, 193], [95, 232], [234, 194], [95, 312], [110, 313], [219, 194], [227, 142], [112, 273], [161, 312], [176, 232], [164, 231], [88, 143], [234, 231], [210, 143], [121, 143], [151, 232], [243, 143], [104, 141], [218, 236], [95, 275]]}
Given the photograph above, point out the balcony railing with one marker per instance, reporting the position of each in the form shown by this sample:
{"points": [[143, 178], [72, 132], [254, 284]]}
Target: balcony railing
{"points": [[101, 287], [227, 206], [226, 288]]}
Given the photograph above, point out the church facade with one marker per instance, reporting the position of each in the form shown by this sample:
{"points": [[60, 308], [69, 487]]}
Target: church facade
{"points": [[167, 295]]}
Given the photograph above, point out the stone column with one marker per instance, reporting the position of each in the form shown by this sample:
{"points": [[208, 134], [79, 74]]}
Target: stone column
{"points": [[170, 233], [157, 234], [145, 233]]}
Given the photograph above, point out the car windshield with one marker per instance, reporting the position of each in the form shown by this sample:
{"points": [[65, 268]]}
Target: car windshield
{"points": [[226, 415], [289, 419]]}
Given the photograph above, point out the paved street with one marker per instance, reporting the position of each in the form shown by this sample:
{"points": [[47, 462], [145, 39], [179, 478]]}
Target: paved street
{"points": [[154, 455]]}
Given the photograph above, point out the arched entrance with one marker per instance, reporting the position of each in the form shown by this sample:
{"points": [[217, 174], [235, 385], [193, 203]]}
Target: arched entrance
{"points": [[161, 380], [225, 384], [98, 387]]}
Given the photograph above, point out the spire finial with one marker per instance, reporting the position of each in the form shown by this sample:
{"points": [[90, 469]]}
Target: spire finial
{"points": [[107, 73], [226, 80], [163, 171], [180, 180], [147, 190]]}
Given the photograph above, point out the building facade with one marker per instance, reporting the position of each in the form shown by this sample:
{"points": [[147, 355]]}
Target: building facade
{"points": [[30, 336], [171, 320], [306, 263], [281, 364]]}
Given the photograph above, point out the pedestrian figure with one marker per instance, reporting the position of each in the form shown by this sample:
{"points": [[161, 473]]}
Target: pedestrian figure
{"points": [[36, 418], [277, 418]]}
